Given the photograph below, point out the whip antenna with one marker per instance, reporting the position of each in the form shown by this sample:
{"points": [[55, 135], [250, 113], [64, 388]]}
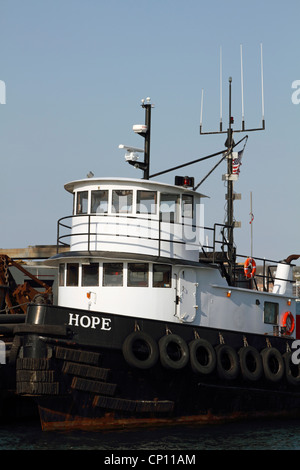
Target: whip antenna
{"points": [[243, 129], [242, 88], [221, 110], [201, 111], [262, 87]]}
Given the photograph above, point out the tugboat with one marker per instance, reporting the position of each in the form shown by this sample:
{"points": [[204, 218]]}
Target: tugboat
{"points": [[153, 326]]}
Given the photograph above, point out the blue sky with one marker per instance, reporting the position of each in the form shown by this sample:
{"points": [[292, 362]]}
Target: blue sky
{"points": [[75, 72]]}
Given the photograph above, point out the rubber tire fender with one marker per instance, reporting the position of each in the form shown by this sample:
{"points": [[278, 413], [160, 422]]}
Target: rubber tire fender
{"points": [[246, 372], [132, 359], [294, 380], [223, 350], [165, 359], [196, 365], [267, 354]]}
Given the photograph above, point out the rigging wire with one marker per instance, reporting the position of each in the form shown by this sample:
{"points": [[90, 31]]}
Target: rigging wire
{"points": [[220, 161]]}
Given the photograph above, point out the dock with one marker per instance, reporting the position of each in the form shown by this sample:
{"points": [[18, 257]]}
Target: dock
{"points": [[31, 252]]}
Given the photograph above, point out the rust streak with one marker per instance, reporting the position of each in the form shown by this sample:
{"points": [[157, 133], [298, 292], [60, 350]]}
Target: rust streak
{"points": [[109, 423]]}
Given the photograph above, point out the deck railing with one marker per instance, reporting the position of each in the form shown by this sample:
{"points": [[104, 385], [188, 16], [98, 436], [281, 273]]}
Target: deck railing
{"points": [[216, 252], [155, 227]]}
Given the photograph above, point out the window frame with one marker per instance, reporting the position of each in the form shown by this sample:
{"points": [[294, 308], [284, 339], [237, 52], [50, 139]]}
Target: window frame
{"points": [[93, 191], [70, 273], [80, 211], [139, 202], [183, 197], [129, 206], [162, 283], [174, 197], [83, 275], [138, 282], [267, 315], [119, 266], [61, 274]]}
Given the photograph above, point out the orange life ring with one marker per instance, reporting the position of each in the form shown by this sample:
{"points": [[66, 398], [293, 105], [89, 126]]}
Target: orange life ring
{"points": [[288, 322], [249, 268]]}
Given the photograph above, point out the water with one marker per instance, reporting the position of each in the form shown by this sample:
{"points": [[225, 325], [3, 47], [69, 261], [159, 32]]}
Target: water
{"points": [[252, 435]]}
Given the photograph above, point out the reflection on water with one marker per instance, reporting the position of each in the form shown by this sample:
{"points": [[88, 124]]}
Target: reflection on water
{"points": [[258, 435]]}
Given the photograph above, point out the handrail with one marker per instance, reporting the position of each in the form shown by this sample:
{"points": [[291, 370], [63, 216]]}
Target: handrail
{"points": [[89, 233], [267, 276]]}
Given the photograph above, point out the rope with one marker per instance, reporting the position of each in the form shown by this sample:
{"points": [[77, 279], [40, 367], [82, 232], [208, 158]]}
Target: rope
{"points": [[15, 306]]}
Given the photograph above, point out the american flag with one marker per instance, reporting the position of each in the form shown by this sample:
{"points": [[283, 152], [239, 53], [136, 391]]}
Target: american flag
{"points": [[236, 162]]}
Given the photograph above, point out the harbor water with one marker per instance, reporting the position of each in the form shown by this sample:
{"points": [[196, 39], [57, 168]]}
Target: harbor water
{"points": [[250, 435]]}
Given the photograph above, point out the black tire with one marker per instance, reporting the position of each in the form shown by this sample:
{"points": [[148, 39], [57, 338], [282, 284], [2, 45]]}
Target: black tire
{"points": [[174, 352], [273, 364], [292, 371], [202, 356], [227, 362], [140, 350], [250, 363]]}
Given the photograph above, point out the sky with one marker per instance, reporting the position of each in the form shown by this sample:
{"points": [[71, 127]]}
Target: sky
{"points": [[75, 72]]}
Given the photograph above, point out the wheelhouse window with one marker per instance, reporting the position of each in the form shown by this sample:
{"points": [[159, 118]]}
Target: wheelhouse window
{"points": [[122, 201], [271, 312], [90, 274], [112, 274], [61, 274], [137, 275], [169, 204], [82, 202], [99, 201], [72, 274], [187, 206], [162, 275], [146, 202]]}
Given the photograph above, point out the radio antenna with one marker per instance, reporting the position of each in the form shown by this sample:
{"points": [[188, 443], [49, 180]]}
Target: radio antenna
{"points": [[243, 129], [262, 87], [242, 88], [201, 110], [221, 109]]}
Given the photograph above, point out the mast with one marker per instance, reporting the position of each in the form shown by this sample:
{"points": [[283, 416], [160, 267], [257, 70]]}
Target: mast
{"points": [[230, 222], [144, 130], [147, 106], [230, 176]]}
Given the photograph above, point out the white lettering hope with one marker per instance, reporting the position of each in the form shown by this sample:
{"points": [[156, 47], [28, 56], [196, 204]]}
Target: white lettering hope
{"points": [[86, 321]]}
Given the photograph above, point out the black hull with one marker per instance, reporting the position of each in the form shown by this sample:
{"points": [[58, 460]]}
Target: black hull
{"points": [[80, 378], [13, 407]]}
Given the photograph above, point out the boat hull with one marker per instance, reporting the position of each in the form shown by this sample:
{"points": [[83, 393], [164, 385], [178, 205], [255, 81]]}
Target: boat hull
{"points": [[128, 372]]}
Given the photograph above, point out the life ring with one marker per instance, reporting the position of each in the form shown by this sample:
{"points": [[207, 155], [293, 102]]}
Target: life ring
{"points": [[292, 371], [140, 350], [273, 364], [174, 352], [251, 363], [227, 362], [288, 322], [202, 356], [249, 268]]}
